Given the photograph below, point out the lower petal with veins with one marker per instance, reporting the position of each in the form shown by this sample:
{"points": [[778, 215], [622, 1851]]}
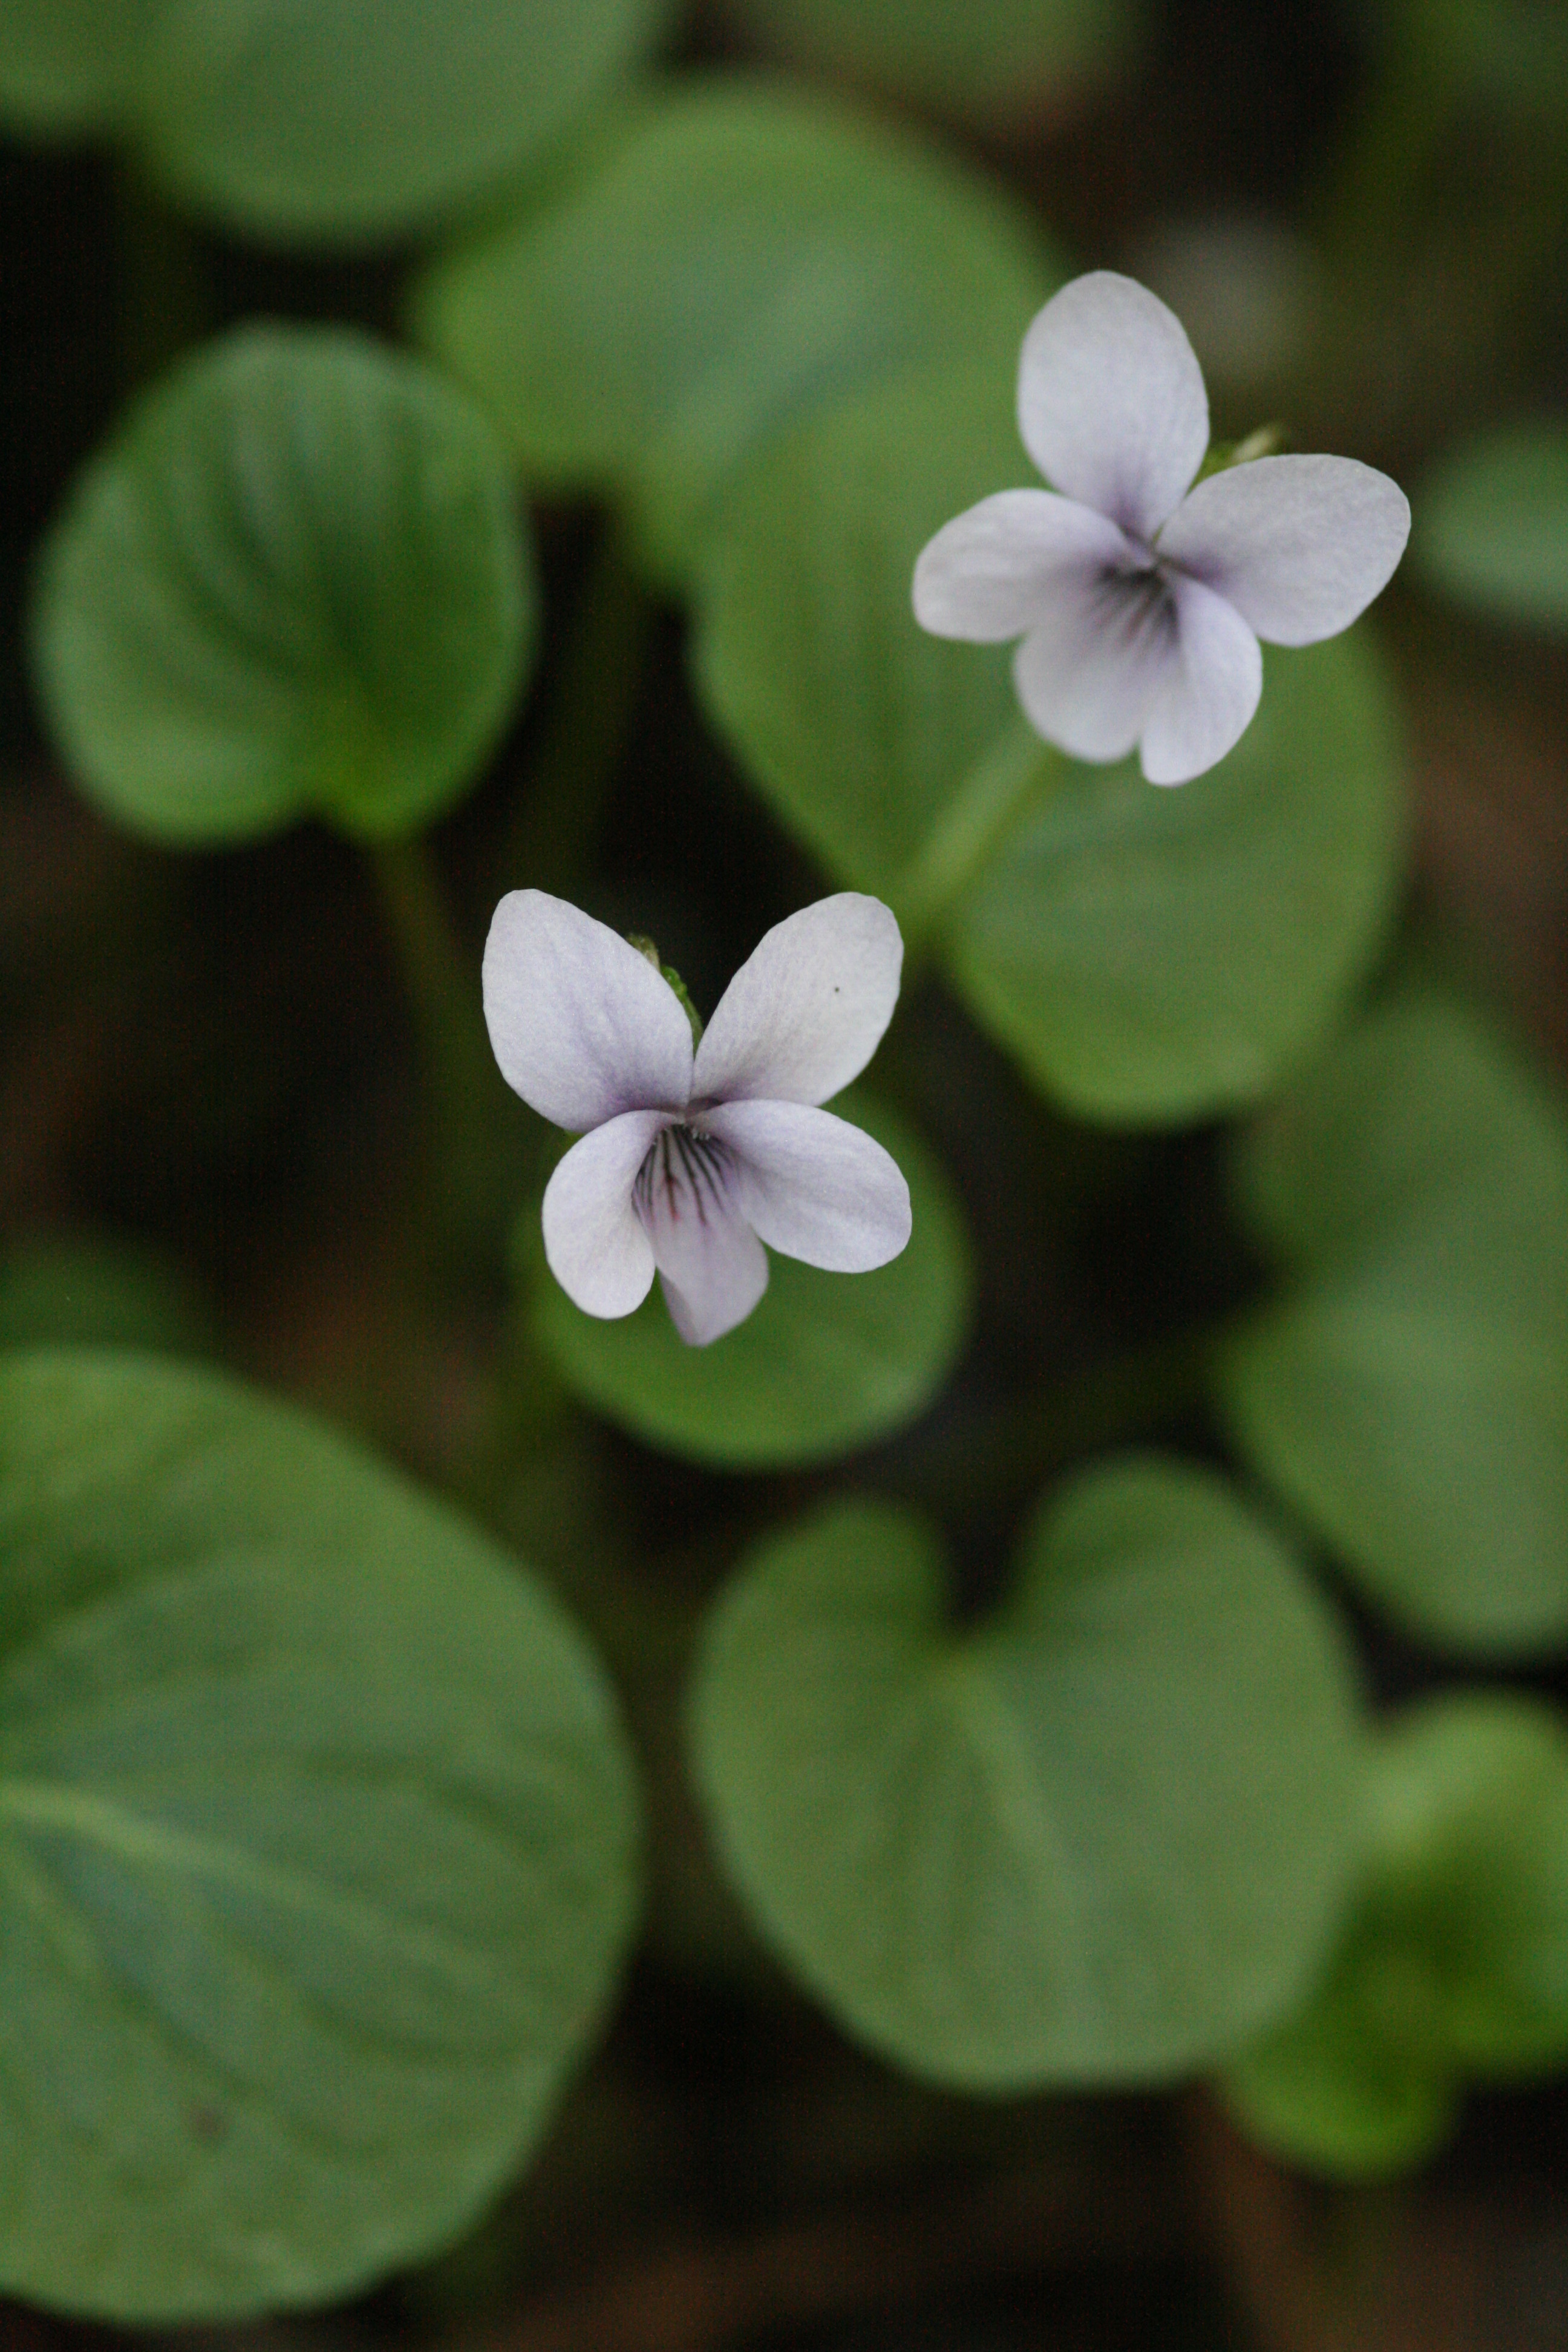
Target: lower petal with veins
{"points": [[712, 1268]]}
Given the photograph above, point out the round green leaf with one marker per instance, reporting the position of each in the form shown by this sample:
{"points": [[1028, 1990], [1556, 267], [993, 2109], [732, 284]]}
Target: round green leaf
{"points": [[1409, 1390], [1161, 955], [739, 256], [1456, 1960], [344, 121], [294, 584], [995, 58], [1491, 526], [316, 1829], [1468, 1880], [862, 730], [67, 65], [1329, 2091], [825, 1364], [1098, 1842]]}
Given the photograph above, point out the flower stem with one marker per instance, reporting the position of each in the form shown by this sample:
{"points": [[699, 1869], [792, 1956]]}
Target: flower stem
{"points": [[993, 798], [586, 728], [466, 1159]]}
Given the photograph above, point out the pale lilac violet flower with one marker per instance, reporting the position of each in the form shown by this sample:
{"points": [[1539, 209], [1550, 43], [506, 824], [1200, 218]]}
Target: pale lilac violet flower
{"points": [[1139, 599], [689, 1162]]}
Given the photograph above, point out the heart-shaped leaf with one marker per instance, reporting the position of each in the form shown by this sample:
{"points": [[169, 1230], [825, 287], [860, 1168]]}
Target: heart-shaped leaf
{"points": [[294, 584], [1098, 1841]]}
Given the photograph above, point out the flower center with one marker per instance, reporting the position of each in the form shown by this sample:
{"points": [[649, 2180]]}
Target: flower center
{"points": [[683, 1176], [1137, 606]]}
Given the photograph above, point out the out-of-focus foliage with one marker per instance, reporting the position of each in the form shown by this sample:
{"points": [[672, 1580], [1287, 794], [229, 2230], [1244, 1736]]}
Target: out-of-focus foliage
{"points": [[85, 1290], [1454, 1965], [316, 1827], [1491, 526], [994, 59], [1086, 1843], [331, 121], [734, 257], [1408, 1391], [295, 583], [821, 1367]]}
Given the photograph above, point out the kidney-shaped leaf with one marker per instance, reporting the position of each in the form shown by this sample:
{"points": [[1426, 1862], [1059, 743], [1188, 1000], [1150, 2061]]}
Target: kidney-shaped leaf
{"points": [[316, 1833], [295, 583], [861, 730], [339, 120], [1159, 955], [1491, 526], [738, 256], [1096, 1841], [1409, 1390], [824, 1364]]}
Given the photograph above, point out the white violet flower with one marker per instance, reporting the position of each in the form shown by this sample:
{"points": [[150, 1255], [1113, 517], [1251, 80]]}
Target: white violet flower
{"points": [[690, 1160], [1139, 599]]}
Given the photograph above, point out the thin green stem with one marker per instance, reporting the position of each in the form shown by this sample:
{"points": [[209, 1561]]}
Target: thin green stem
{"points": [[993, 798], [585, 730], [465, 1099]]}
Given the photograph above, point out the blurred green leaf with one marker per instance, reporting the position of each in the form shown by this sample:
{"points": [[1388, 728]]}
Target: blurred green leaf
{"points": [[85, 1290], [1160, 955], [1098, 1840], [316, 1828], [1409, 1390], [1456, 1960], [293, 584], [737, 255], [68, 65], [995, 59], [825, 1364], [1329, 2091], [1491, 526], [322, 121], [860, 727]]}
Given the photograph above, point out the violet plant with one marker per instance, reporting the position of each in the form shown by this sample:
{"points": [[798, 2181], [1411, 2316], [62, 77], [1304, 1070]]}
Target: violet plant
{"points": [[1008, 1664]]}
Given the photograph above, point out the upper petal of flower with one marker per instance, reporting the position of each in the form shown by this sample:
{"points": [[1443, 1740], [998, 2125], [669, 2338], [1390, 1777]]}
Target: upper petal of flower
{"points": [[1209, 699], [1111, 405], [990, 572], [1088, 674], [814, 1187], [1299, 545], [582, 1025], [712, 1268], [806, 1010], [594, 1238]]}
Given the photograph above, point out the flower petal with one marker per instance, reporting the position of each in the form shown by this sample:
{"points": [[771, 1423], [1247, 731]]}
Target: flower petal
{"points": [[594, 1238], [1210, 699], [1111, 405], [1299, 545], [814, 1187], [712, 1268], [986, 575], [806, 1010], [582, 1025], [1090, 673]]}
